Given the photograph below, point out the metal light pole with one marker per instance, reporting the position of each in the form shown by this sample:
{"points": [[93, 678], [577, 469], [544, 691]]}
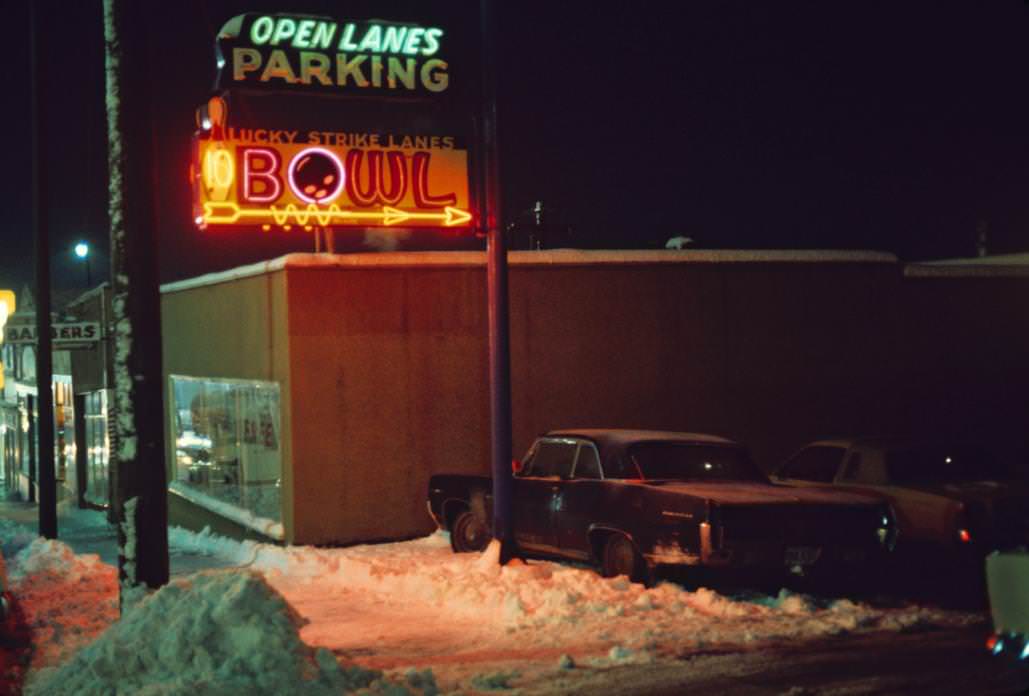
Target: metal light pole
{"points": [[82, 251], [496, 274], [44, 358]]}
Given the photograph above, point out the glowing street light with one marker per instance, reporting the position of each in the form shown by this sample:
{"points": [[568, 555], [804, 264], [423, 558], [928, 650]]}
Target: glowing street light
{"points": [[82, 251]]}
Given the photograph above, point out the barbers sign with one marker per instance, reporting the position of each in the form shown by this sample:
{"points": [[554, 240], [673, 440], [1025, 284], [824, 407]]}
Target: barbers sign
{"points": [[62, 335]]}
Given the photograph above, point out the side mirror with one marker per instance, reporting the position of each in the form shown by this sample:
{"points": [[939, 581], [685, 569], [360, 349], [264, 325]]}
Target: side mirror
{"points": [[516, 467]]}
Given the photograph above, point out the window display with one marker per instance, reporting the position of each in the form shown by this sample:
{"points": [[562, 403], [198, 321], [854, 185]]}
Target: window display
{"points": [[227, 441]]}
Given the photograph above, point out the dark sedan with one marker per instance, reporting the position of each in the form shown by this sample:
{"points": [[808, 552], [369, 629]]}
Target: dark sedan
{"points": [[629, 501]]}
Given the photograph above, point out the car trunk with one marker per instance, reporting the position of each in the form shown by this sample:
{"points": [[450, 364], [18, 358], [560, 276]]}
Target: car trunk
{"points": [[798, 524]]}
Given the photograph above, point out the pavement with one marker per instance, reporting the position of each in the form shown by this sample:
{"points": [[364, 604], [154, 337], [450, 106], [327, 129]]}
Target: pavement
{"points": [[953, 662], [88, 531]]}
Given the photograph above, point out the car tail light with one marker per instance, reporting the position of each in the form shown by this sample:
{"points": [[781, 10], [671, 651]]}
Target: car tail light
{"points": [[995, 644], [964, 535]]}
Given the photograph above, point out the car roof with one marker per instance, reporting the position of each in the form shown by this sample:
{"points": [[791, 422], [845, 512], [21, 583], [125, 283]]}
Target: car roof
{"points": [[623, 437], [845, 443], [885, 443]]}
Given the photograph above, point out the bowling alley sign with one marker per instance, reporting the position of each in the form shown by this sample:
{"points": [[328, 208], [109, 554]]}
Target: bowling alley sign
{"points": [[291, 177]]}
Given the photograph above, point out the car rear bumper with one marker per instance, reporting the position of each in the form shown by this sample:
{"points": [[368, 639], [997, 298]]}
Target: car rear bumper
{"points": [[761, 554]]}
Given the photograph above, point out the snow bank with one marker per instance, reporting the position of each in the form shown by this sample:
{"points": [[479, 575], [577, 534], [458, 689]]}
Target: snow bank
{"points": [[14, 537], [68, 599], [561, 604], [413, 616], [261, 525], [213, 632]]}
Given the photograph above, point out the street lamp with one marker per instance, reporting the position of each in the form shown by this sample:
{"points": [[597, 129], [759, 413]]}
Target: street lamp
{"points": [[82, 251]]}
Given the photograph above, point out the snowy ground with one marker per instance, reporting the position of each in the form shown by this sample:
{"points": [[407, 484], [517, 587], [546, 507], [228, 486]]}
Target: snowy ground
{"points": [[424, 617]]}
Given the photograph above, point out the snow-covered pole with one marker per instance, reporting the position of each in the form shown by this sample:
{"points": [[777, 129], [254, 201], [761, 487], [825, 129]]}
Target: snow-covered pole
{"points": [[496, 275], [44, 356], [139, 483]]}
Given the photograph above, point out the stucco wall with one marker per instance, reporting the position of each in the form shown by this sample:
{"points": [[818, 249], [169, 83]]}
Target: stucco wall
{"points": [[389, 384], [387, 375], [968, 357]]}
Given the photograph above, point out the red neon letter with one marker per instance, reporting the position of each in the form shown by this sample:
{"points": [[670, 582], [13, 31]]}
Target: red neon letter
{"points": [[420, 184], [260, 164], [363, 196], [375, 191], [397, 178]]}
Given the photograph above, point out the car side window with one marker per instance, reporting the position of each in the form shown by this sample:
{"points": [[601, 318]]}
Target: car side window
{"points": [[852, 468], [818, 464], [587, 466], [621, 467], [552, 458]]}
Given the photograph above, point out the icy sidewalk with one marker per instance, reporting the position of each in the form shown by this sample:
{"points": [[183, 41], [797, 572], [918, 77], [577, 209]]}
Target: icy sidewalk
{"points": [[87, 532]]}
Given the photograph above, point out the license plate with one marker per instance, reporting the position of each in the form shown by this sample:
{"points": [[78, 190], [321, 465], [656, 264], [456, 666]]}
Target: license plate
{"points": [[802, 555]]}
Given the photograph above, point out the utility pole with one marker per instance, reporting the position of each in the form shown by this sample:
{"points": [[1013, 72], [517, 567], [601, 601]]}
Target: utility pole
{"points": [[496, 274], [140, 502], [44, 357]]}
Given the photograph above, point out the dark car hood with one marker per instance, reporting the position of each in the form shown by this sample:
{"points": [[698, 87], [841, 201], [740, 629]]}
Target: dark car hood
{"points": [[733, 493]]}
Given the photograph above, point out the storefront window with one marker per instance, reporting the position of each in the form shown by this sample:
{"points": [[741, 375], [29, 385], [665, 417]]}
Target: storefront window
{"points": [[98, 447], [28, 413], [9, 434], [227, 441], [64, 429]]}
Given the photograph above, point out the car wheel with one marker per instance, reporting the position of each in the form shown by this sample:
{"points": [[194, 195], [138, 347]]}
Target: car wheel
{"points": [[468, 533], [621, 558]]}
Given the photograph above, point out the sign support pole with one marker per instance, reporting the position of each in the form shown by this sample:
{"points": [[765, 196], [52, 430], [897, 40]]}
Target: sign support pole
{"points": [[44, 356], [140, 500], [496, 274]]}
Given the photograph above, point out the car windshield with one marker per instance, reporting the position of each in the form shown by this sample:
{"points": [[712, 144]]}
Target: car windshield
{"points": [[944, 465], [684, 461]]}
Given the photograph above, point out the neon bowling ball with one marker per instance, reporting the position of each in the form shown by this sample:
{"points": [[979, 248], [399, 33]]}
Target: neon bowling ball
{"points": [[317, 176]]}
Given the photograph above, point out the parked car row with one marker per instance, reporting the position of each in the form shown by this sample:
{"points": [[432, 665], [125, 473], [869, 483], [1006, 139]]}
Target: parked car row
{"points": [[630, 501]]}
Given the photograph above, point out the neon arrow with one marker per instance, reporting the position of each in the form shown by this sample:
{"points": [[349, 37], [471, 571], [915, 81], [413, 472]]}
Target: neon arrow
{"points": [[229, 213]]}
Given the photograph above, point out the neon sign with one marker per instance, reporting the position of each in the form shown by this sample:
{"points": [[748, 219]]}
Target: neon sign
{"points": [[283, 51], [288, 178]]}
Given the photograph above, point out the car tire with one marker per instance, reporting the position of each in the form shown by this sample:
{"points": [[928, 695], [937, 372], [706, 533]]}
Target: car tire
{"points": [[468, 533], [620, 557]]}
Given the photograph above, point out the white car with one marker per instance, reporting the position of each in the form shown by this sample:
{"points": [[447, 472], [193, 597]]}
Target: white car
{"points": [[1007, 580], [949, 498]]}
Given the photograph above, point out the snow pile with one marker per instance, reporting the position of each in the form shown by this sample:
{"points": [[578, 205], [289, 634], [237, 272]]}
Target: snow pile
{"points": [[14, 537], [262, 525], [68, 600], [205, 543], [413, 616], [213, 632], [558, 604]]}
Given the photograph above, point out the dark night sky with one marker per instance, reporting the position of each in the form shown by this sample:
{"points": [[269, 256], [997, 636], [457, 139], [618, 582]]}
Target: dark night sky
{"points": [[885, 125]]}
